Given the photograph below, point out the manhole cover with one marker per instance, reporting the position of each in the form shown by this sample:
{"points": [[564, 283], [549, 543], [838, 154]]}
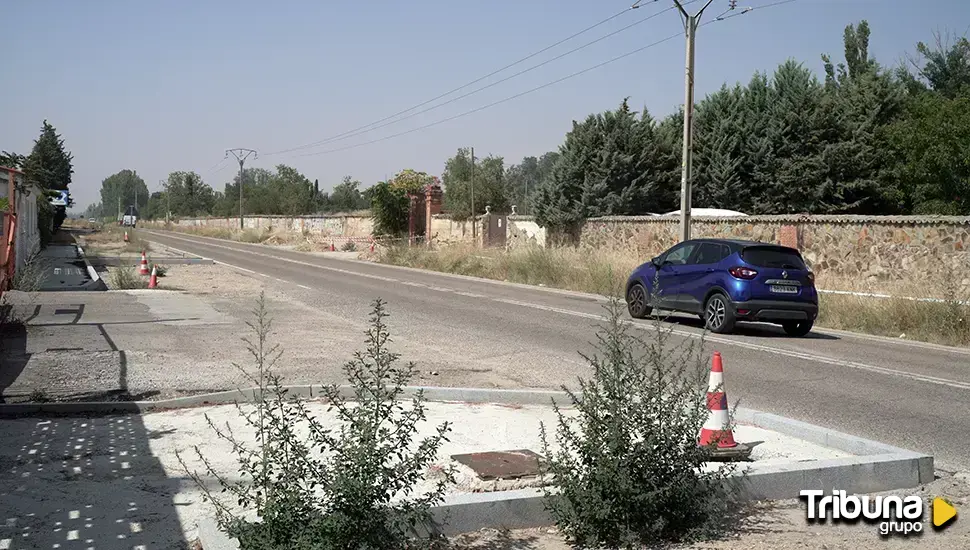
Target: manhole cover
{"points": [[501, 464]]}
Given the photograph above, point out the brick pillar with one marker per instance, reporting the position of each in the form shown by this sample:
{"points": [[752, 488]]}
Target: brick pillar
{"points": [[788, 236], [432, 205]]}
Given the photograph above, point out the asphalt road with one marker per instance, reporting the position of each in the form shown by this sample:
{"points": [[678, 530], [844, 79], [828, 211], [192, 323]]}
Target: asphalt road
{"points": [[907, 394]]}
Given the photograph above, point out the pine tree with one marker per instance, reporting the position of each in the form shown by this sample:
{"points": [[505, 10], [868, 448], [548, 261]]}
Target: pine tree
{"points": [[719, 152], [48, 164]]}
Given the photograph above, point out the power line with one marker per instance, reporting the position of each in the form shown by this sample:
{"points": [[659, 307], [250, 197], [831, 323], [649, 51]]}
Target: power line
{"points": [[368, 127], [499, 102], [750, 9], [496, 83], [532, 90]]}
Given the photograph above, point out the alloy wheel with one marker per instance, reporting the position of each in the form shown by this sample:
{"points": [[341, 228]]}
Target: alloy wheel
{"points": [[716, 311]]}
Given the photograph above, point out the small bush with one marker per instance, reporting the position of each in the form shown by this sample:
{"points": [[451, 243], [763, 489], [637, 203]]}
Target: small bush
{"points": [[125, 278], [252, 236], [349, 246], [628, 467], [30, 277], [331, 489], [160, 270]]}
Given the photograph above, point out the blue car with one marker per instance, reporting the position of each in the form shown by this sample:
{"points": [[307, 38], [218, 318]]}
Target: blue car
{"points": [[726, 281]]}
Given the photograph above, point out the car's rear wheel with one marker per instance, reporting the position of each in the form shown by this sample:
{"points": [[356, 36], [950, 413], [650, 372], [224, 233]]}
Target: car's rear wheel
{"points": [[797, 328], [718, 314], [636, 302]]}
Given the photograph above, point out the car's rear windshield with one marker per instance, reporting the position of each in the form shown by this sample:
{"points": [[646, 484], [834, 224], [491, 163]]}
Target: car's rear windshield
{"points": [[771, 256]]}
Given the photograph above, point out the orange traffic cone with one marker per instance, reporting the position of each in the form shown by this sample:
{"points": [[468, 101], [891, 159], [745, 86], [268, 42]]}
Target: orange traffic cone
{"points": [[332, 247], [126, 236], [372, 244], [153, 282], [717, 429], [143, 268]]}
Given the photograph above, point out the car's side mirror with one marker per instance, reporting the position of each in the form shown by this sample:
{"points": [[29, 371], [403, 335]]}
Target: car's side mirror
{"points": [[656, 262]]}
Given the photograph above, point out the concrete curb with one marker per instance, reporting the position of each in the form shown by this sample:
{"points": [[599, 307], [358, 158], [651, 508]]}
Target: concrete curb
{"points": [[117, 261], [875, 467], [93, 273], [455, 395]]}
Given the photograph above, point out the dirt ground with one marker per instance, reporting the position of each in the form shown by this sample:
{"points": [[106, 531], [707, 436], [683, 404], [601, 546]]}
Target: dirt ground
{"points": [[779, 526]]}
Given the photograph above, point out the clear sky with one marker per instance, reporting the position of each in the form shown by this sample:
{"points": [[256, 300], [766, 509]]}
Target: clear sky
{"points": [[163, 86]]}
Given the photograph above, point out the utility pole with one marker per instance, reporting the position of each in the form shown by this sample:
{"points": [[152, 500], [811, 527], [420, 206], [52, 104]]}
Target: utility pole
{"points": [[690, 29], [241, 156], [168, 199], [471, 187]]}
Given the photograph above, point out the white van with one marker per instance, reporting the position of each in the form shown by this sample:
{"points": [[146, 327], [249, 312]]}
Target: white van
{"points": [[130, 217]]}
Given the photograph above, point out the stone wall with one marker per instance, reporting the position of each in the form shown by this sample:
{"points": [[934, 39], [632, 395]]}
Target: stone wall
{"points": [[446, 231], [857, 249], [524, 231], [329, 226]]}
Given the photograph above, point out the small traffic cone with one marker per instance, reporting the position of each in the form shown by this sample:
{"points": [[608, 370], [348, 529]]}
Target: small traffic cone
{"points": [[717, 430], [143, 268], [372, 244], [126, 236], [332, 247], [153, 282]]}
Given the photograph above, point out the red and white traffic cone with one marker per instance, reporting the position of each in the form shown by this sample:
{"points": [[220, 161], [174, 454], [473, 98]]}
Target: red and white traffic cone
{"points": [[126, 236], [143, 268], [717, 430], [332, 247], [153, 282], [372, 244]]}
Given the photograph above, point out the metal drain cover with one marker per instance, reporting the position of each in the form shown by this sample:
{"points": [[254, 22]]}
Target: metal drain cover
{"points": [[501, 464]]}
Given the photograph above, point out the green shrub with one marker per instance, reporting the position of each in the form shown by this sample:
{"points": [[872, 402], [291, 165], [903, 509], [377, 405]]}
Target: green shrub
{"points": [[349, 246], [316, 488], [628, 468]]}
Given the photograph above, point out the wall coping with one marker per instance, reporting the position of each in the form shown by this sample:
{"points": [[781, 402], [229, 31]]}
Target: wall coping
{"points": [[279, 217], [795, 218]]}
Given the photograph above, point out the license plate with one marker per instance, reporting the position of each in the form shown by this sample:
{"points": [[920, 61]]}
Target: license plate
{"points": [[784, 289]]}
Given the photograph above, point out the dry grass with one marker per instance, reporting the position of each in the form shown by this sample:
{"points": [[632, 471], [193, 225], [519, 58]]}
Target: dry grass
{"points": [[303, 242], [566, 268], [944, 321], [110, 241], [936, 311]]}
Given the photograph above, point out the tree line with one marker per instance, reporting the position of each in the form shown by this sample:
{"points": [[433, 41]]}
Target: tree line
{"points": [[859, 138]]}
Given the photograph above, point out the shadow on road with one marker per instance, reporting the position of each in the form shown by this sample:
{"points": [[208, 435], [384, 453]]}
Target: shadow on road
{"points": [[757, 330]]}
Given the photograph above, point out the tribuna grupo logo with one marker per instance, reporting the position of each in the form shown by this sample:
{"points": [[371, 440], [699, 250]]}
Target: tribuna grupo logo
{"points": [[894, 514]]}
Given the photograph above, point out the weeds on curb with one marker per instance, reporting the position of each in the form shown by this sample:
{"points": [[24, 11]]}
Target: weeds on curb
{"points": [[125, 278], [628, 468], [330, 489], [348, 246]]}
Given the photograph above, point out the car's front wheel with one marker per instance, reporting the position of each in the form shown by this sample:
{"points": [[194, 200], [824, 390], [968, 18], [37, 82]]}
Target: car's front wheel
{"points": [[636, 302], [798, 328], [718, 314]]}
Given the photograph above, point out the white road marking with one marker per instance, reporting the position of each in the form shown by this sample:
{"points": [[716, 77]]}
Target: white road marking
{"points": [[707, 337]]}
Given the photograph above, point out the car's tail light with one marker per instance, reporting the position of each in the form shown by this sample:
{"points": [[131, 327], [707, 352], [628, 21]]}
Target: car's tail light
{"points": [[811, 278], [743, 272]]}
